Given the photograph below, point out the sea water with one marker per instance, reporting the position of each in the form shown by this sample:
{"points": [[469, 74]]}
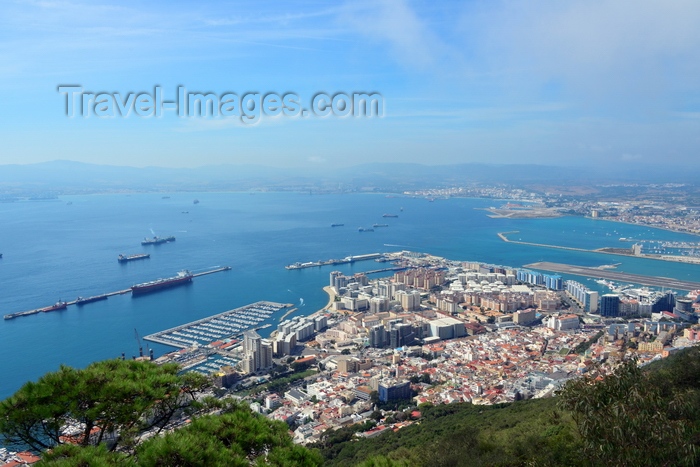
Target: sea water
{"points": [[65, 248]]}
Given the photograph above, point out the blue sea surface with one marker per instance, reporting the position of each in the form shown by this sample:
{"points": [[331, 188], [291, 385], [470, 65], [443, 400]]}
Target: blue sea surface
{"points": [[66, 248]]}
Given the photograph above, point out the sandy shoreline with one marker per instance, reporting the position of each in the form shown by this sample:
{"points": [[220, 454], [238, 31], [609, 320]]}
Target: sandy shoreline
{"points": [[331, 299]]}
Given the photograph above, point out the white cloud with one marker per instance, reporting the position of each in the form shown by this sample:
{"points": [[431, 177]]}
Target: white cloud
{"points": [[605, 52], [394, 23]]}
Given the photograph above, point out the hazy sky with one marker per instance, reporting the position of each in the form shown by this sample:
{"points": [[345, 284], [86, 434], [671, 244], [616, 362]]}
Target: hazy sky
{"points": [[553, 82]]}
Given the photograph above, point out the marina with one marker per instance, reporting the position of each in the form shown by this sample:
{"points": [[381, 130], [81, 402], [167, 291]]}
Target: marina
{"points": [[226, 325], [688, 258], [333, 262]]}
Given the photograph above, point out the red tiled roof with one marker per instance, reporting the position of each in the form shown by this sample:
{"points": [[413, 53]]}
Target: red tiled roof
{"points": [[28, 457]]}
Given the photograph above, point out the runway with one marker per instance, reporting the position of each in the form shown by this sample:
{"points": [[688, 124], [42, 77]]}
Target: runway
{"points": [[650, 281]]}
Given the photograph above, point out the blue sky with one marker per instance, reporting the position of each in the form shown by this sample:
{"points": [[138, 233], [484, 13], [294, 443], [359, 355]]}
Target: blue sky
{"points": [[566, 83]]}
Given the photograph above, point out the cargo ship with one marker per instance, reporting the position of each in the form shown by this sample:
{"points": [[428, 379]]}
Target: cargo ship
{"points": [[80, 301], [332, 225], [59, 305], [390, 215], [362, 229], [380, 225], [183, 277], [125, 258], [157, 240]]}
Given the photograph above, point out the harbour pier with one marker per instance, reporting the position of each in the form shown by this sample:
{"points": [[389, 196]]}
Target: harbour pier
{"points": [[334, 262], [94, 298]]}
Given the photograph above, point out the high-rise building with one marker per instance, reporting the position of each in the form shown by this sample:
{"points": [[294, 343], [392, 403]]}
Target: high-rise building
{"points": [[553, 282], [586, 298], [610, 305], [410, 301], [257, 352], [394, 390], [377, 336], [334, 274], [664, 303], [524, 317]]}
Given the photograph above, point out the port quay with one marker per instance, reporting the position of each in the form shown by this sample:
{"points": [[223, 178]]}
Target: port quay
{"points": [[332, 262], [217, 327], [62, 305], [379, 257]]}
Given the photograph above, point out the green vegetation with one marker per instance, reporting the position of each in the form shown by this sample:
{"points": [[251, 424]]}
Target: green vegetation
{"points": [[235, 438], [464, 434], [640, 417], [114, 401], [121, 409], [583, 346], [626, 419], [280, 384], [424, 378]]}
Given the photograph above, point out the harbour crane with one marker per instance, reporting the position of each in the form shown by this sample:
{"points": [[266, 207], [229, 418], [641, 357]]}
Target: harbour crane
{"points": [[138, 341]]}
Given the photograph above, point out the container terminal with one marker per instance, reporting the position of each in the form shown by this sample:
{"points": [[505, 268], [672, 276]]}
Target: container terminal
{"points": [[221, 326], [142, 288]]}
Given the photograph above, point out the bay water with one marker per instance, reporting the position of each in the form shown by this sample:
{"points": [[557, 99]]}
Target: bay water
{"points": [[65, 248]]}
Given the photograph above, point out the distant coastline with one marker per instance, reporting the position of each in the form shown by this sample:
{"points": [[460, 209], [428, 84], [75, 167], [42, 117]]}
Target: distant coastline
{"points": [[665, 229], [604, 251], [525, 213]]}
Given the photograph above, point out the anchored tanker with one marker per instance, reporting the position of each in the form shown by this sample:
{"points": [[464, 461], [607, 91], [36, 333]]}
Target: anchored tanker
{"points": [[183, 277], [80, 301], [125, 258], [157, 240]]}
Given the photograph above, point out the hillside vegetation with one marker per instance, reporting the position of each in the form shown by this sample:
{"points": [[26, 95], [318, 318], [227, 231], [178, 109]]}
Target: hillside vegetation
{"points": [[648, 416], [634, 417]]}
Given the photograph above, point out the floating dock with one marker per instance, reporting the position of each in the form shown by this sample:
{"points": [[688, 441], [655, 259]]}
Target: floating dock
{"points": [[333, 262], [218, 327]]}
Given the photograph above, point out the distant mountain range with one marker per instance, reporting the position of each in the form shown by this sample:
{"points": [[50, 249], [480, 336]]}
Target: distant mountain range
{"points": [[64, 177]]}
